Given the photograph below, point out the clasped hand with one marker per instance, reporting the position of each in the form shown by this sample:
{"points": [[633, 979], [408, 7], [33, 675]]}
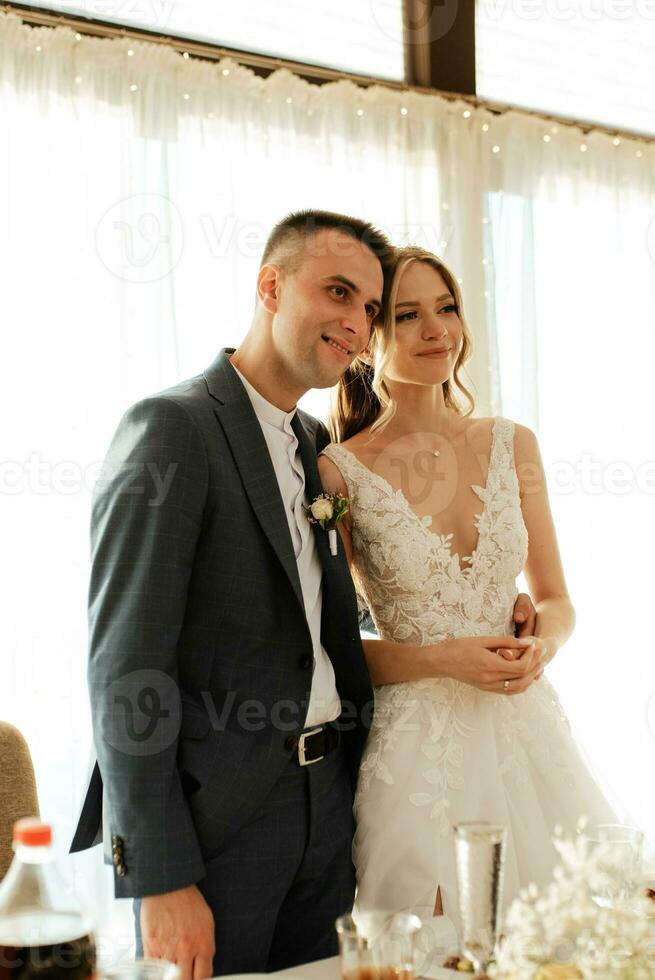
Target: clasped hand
{"points": [[498, 664]]}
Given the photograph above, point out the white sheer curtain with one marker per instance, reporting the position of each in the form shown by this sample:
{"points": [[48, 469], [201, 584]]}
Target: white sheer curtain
{"points": [[574, 264], [138, 189]]}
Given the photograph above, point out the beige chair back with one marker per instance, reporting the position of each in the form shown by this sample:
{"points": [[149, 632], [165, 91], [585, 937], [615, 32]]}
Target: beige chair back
{"points": [[18, 796]]}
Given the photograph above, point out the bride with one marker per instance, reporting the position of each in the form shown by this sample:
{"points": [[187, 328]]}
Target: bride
{"points": [[446, 511]]}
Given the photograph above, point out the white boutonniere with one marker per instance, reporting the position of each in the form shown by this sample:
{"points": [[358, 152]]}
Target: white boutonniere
{"points": [[327, 510]]}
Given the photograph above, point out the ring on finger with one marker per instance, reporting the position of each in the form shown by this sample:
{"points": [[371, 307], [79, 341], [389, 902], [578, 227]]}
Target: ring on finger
{"points": [[506, 687]]}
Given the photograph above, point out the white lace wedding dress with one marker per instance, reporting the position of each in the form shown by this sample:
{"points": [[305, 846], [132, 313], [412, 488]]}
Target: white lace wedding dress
{"points": [[441, 751]]}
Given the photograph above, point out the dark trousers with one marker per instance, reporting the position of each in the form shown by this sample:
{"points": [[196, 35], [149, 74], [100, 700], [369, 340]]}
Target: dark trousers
{"points": [[279, 883]]}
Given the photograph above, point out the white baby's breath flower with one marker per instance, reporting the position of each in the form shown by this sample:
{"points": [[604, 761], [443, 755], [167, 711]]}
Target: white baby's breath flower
{"points": [[322, 509], [563, 929]]}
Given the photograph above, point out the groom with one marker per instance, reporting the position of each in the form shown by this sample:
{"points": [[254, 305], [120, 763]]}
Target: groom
{"points": [[229, 690]]}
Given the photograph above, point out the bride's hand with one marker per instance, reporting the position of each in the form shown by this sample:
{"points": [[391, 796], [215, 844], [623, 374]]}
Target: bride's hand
{"points": [[541, 649], [474, 660]]}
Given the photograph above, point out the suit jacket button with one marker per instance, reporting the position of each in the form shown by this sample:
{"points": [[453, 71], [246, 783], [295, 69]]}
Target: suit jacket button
{"points": [[305, 661], [291, 743]]}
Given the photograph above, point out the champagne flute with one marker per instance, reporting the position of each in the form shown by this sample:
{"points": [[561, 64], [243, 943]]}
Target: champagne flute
{"points": [[480, 859]]}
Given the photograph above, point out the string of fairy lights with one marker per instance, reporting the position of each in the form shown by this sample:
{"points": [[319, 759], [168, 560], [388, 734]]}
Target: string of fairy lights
{"points": [[360, 111]]}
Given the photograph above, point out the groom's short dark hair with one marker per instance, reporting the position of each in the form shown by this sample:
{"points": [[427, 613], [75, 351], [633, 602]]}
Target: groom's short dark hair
{"points": [[292, 237]]}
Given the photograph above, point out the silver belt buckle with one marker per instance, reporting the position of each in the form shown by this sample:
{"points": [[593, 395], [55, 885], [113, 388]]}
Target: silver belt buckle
{"points": [[304, 761]]}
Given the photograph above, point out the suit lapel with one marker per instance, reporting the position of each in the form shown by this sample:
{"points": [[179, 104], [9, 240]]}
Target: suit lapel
{"points": [[339, 626], [244, 434], [313, 487]]}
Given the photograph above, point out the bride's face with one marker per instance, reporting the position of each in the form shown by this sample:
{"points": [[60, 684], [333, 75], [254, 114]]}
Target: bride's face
{"points": [[428, 329]]}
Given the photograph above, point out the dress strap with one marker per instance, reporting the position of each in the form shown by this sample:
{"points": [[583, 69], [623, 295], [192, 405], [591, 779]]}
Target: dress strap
{"points": [[501, 461]]}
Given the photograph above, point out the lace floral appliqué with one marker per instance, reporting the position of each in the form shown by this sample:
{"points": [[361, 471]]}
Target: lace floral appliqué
{"points": [[418, 592]]}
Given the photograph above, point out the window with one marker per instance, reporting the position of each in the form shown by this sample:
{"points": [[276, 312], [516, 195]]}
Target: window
{"points": [[591, 60], [364, 37]]}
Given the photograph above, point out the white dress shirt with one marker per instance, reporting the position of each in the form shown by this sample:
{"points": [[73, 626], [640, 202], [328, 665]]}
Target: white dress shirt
{"points": [[324, 703]]}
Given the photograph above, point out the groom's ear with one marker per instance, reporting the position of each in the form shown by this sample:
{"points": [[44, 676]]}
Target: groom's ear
{"points": [[268, 287]]}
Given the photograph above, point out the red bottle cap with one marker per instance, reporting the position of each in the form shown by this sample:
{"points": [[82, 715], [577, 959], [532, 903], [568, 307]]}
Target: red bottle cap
{"points": [[32, 832]]}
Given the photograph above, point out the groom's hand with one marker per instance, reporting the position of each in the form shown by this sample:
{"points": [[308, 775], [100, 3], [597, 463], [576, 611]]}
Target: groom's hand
{"points": [[179, 927], [525, 615]]}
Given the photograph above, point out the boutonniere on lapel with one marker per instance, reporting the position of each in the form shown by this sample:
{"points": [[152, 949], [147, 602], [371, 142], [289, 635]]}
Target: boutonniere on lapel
{"points": [[328, 509]]}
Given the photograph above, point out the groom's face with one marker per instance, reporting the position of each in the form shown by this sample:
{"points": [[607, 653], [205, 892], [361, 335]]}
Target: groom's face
{"points": [[326, 308]]}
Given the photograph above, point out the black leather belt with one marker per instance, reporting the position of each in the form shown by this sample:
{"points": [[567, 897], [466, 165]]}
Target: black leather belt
{"points": [[314, 744]]}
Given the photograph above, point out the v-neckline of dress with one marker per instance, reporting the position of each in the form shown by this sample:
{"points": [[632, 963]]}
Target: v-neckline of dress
{"points": [[442, 539]]}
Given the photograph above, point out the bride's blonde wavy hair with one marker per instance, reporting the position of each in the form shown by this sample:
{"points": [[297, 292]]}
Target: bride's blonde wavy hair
{"points": [[362, 396]]}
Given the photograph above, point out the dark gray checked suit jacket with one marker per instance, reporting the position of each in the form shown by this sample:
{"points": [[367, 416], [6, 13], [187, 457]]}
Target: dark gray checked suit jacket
{"points": [[200, 656]]}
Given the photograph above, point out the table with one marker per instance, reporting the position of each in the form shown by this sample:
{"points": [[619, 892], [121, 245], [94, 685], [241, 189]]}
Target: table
{"points": [[329, 970], [440, 940]]}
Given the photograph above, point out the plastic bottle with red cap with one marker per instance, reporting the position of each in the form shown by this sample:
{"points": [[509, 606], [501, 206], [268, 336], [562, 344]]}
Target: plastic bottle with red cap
{"points": [[44, 934]]}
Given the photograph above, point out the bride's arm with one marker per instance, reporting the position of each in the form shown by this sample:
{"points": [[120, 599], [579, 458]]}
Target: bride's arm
{"points": [[392, 663], [543, 568]]}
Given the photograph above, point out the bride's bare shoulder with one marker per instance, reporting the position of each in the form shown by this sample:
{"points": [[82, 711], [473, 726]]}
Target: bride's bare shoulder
{"points": [[331, 476], [480, 433]]}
